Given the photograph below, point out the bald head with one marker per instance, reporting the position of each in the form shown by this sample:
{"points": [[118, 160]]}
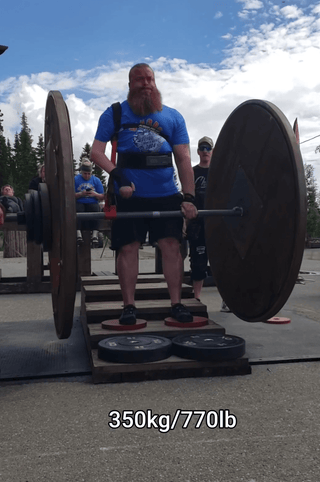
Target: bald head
{"points": [[139, 66]]}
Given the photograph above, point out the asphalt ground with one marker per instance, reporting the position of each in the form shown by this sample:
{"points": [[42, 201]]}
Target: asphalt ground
{"points": [[261, 427]]}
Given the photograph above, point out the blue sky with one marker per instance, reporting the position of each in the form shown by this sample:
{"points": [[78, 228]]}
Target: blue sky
{"points": [[209, 56], [67, 35]]}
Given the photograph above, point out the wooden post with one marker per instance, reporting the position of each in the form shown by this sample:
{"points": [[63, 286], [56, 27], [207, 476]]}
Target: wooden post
{"points": [[84, 255], [158, 260], [14, 244], [34, 262]]}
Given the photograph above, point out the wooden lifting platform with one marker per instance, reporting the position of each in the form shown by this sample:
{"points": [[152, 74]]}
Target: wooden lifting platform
{"points": [[101, 300]]}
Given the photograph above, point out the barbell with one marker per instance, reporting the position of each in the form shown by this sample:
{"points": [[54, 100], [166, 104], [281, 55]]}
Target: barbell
{"points": [[255, 211]]}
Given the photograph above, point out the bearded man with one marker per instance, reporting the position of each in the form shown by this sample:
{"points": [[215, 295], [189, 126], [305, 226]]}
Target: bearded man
{"points": [[144, 180]]}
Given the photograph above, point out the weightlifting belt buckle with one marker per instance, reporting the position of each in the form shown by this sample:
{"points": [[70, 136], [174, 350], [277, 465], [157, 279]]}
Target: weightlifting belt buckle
{"points": [[158, 161]]}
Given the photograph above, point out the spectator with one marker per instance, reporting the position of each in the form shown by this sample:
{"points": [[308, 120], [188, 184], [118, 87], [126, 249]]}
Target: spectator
{"points": [[11, 203], [34, 183], [195, 229], [89, 191]]}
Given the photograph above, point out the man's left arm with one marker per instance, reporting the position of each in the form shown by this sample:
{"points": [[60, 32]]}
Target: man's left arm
{"points": [[183, 161]]}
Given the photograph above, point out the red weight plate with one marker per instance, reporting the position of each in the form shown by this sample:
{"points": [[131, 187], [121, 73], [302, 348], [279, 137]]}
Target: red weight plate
{"points": [[278, 320], [197, 322], [115, 325], [256, 164], [60, 182]]}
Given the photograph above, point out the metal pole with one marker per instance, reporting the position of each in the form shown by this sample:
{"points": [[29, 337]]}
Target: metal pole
{"points": [[236, 212]]}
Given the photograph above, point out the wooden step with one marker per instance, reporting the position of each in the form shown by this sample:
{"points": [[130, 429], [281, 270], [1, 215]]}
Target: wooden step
{"points": [[106, 280], [96, 333], [96, 312], [171, 368], [144, 291]]}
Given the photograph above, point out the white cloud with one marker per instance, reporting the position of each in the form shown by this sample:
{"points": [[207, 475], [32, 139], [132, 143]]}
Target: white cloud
{"points": [[218, 15], [291, 11], [251, 4], [228, 36], [316, 9]]}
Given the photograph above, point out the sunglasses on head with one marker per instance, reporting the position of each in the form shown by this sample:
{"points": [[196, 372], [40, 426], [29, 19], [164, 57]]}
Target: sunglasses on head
{"points": [[205, 148]]}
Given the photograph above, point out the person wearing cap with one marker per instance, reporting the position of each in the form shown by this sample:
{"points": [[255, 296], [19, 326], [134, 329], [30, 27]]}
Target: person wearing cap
{"points": [[151, 135], [195, 228], [89, 191]]}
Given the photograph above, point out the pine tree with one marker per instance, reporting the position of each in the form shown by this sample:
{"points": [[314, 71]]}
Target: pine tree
{"points": [[313, 210], [25, 159], [40, 151], [4, 162]]}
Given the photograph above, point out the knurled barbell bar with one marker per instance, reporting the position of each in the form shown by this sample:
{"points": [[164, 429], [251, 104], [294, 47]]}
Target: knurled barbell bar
{"points": [[256, 197]]}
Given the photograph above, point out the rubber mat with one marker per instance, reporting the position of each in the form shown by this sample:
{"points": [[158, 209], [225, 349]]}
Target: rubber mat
{"points": [[31, 349]]}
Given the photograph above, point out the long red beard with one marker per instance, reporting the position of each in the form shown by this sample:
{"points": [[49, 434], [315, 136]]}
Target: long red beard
{"points": [[143, 103]]}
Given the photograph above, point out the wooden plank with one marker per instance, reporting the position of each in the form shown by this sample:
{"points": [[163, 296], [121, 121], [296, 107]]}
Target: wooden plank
{"points": [[12, 226], [34, 262], [143, 291], [14, 287], [147, 309], [96, 333], [171, 368], [142, 278], [102, 273]]}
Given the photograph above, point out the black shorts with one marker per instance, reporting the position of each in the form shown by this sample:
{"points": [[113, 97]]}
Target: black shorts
{"points": [[127, 231]]}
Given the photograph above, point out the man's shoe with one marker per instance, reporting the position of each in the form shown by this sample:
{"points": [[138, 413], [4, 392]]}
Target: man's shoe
{"points": [[79, 241], [128, 316], [181, 314], [95, 242], [224, 308]]}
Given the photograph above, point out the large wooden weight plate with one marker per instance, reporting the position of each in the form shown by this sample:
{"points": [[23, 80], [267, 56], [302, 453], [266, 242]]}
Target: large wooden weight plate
{"points": [[256, 164], [60, 180]]}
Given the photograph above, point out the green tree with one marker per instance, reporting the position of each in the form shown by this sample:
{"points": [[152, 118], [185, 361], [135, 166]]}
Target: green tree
{"points": [[25, 159], [40, 151], [313, 210], [4, 161]]}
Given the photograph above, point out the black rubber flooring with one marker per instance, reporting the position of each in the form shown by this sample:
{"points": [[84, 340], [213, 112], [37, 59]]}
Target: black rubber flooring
{"points": [[31, 349]]}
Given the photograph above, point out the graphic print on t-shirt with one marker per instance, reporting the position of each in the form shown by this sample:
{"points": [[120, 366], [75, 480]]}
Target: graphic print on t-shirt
{"points": [[146, 140]]}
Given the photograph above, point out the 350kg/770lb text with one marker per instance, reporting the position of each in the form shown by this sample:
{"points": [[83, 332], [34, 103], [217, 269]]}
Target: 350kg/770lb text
{"points": [[164, 423]]}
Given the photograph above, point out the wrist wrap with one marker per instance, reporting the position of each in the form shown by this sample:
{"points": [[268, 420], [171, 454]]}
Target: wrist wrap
{"points": [[119, 176]]}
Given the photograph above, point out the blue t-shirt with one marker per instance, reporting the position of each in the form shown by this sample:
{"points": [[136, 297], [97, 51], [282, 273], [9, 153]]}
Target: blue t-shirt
{"points": [[81, 184], [146, 138]]}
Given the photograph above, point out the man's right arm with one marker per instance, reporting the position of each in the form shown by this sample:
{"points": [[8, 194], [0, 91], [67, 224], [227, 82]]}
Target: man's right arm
{"points": [[98, 156]]}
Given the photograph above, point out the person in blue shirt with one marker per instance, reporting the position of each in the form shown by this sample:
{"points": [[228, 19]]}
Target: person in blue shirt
{"points": [[150, 136], [88, 191]]}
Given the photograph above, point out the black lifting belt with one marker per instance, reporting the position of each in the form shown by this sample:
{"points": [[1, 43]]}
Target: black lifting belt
{"points": [[140, 160]]}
